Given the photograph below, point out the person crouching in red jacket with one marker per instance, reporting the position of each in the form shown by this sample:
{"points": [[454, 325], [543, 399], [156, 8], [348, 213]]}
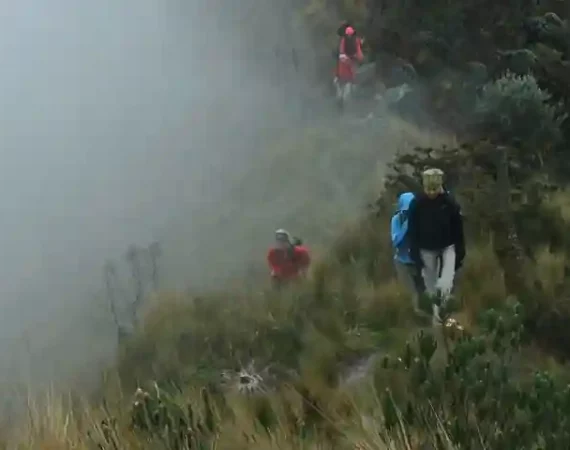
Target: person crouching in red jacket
{"points": [[286, 260]]}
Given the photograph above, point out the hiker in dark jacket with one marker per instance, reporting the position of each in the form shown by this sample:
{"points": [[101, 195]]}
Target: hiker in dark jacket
{"points": [[437, 243]]}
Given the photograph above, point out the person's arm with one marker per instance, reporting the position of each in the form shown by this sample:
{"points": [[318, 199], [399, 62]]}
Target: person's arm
{"points": [[359, 55], [304, 260], [459, 236], [341, 46], [398, 230]]}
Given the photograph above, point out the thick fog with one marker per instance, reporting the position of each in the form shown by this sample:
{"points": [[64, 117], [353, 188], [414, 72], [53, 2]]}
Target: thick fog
{"points": [[114, 116]]}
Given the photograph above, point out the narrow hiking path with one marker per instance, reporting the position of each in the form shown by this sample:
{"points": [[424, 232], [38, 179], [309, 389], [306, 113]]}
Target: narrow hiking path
{"points": [[361, 369], [358, 371]]}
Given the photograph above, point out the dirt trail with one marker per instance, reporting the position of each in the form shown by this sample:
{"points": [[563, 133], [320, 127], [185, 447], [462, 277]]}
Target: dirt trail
{"points": [[358, 371]]}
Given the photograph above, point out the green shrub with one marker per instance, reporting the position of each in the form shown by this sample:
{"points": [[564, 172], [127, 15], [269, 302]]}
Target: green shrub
{"points": [[477, 392], [514, 108]]}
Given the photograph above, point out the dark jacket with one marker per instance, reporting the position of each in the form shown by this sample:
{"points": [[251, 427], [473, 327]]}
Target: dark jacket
{"points": [[434, 224]]}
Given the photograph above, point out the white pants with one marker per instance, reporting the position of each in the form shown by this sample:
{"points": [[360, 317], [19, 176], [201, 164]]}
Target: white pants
{"points": [[343, 91], [434, 283]]}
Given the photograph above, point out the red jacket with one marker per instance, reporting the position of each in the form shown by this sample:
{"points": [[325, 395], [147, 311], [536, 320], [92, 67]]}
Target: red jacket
{"points": [[287, 264], [345, 70]]}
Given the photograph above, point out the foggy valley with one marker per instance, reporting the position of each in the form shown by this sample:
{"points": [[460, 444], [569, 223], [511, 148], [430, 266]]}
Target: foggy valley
{"points": [[119, 120]]}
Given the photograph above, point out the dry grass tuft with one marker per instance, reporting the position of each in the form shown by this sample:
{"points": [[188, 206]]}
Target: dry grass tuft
{"points": [[483, 275]]}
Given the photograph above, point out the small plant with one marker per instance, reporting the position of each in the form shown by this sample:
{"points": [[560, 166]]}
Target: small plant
{"points": [[158, 416], [245, 381]]}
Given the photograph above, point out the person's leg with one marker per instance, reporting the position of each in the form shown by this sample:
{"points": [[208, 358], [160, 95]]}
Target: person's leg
{"points": [[338, 87], [430, 273], [405, 274], [419, 282], [430, 270], [347, 91], [445, 282], [276, 283], [419, 286]]}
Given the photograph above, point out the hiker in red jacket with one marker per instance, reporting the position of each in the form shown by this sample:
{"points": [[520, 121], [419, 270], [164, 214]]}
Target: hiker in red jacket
{"points": [[287, 260], [349, 53]]}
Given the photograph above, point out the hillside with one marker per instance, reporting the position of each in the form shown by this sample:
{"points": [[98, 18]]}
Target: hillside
{"points": [[445, 67], [340, 361], [311, 180], [266, 370]]}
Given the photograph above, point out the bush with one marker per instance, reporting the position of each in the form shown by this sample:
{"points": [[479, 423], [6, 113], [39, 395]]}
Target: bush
{"points": [[514, 108], [477, 393]]}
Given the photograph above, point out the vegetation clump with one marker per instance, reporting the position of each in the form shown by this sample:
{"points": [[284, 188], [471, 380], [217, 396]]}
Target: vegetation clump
{"points": [[476, 392]]}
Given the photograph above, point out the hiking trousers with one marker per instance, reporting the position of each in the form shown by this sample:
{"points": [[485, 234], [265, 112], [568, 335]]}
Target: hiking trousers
{"points": [[438, 273], [343, 89], [411, 277]]}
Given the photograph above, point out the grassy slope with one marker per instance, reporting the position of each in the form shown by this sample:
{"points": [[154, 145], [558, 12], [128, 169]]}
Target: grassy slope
{"points": [[315, 329], [315, 182]]}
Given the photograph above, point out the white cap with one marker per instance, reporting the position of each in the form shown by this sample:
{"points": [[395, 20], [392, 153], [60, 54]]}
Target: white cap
{"points": [[282, 232]]}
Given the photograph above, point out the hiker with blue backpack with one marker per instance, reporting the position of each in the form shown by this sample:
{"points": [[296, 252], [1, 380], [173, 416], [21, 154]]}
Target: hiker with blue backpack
{"points": [[408, 271]]}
